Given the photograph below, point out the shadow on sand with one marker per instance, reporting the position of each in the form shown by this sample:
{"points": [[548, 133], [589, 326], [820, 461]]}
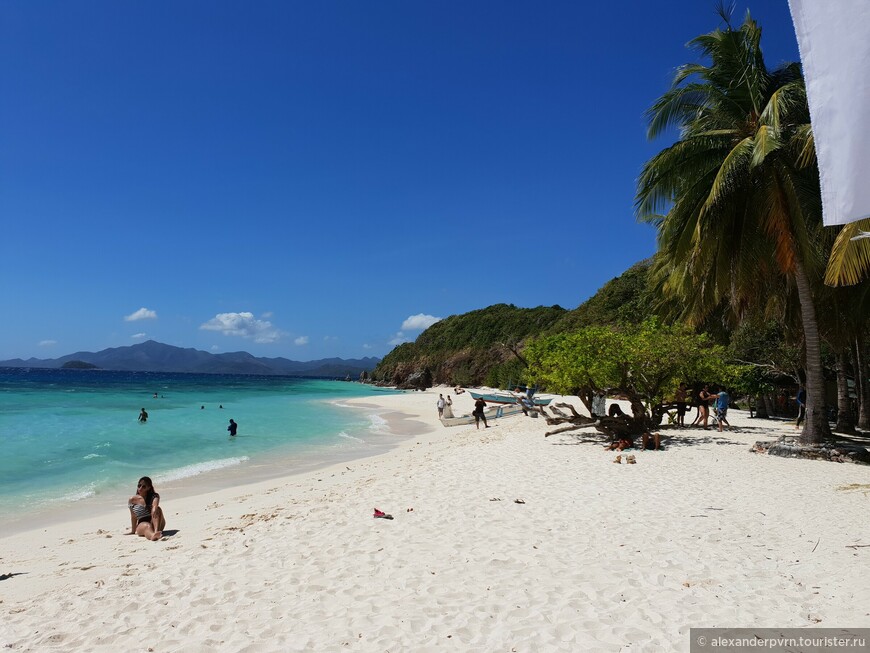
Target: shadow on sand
{"points": [[671, 437]]}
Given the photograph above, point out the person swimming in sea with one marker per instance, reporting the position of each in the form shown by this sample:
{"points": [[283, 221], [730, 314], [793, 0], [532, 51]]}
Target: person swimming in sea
{"points": [[146, 515], [143, 416], [232, 427]]}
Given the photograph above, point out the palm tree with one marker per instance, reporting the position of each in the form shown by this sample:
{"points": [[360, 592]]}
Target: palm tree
{"points": [[740, 191]]}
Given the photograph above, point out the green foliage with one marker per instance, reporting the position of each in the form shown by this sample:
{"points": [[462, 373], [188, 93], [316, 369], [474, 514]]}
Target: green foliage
{"points": [[740, 191], [469, 348], [404, 353], [741, 212], [766, 345], [481, 329], [623, 300], [646, 362], [505, 374]]}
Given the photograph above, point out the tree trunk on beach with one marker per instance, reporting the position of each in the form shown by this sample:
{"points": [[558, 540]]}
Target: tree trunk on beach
{"points": [[862, 384], [845, 420], [761, 410], [570, 422], [622, 426], [816, 427], [770, 404]]}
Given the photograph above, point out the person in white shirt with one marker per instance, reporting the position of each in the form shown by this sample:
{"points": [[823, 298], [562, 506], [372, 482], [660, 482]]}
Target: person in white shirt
{"points": [[599, 405]]}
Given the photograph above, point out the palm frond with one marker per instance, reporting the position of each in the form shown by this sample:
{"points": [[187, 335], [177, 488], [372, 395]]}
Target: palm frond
{"points": [[850, 259], [806, 145], [732, 167], [766, 141]]}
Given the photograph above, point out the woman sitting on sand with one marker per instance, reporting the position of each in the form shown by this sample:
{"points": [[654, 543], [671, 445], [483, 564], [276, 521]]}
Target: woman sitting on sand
{"points": [[146, 516]]}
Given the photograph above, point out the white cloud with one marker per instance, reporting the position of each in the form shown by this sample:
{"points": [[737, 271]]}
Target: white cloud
{"points": [[47, 343], [243, 325], [142, 314], [301, 340], [366, 346], [215, 348], [419, 322], [138, 336], [398, 339]]}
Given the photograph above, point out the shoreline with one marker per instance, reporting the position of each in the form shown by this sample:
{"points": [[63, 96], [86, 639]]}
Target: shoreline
{"points": [[501, 539], [264, 467]]}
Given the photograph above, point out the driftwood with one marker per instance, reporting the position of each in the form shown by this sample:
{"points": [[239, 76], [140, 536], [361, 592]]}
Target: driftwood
{"points": [[565, 429], [570, 407], [557, 412], [616, 428]]}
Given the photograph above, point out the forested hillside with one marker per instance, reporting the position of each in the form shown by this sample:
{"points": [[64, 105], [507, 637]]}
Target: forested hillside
{"points": [[485, 346]]}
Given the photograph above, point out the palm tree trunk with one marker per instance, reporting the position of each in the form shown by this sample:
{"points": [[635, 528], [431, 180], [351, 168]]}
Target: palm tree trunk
{"points": [[862, 385], [845, 419], [770, 404], [816, 426], [761, 410]]}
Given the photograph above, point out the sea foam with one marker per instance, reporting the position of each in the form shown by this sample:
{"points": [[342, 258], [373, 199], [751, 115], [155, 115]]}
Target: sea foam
{"points": [[342, 434], [87, 493], [199, 468]]}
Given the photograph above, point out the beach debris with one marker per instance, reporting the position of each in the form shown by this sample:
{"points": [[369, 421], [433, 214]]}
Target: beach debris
{"points": [[495, 499], [410, 510], [518, 501], [630, 459], [855, 487], [380, 514], [618, 460]]}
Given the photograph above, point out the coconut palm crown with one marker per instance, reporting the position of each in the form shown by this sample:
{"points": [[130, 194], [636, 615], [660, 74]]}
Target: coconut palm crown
{"points": [[735, 198]]}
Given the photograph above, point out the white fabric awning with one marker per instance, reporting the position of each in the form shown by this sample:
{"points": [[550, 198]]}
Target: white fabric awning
{"points": [[834, 41]]}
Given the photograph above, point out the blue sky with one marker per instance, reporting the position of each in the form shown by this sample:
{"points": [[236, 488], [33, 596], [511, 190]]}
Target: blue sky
{"points": [[317, 179]]}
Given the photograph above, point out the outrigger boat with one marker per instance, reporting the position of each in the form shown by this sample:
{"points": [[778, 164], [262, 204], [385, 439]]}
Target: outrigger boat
{"points": [[505, 397], [491, 413]]}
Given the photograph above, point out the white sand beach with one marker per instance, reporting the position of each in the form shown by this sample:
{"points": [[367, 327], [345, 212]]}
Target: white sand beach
{"points": [[502, 540]]}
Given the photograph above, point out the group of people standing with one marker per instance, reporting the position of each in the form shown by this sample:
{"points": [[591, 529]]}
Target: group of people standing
{"points": [[445, 410], [703, 399]]}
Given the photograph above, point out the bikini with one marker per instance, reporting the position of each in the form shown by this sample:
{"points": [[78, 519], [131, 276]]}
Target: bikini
{"points": [[140, 511]]}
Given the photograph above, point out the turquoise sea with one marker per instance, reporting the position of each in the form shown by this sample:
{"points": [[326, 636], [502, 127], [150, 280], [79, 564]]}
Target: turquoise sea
{"points": [[73, 436]]}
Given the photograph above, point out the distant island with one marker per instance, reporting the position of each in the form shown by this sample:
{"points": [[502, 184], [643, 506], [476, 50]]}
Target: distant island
{"points": [[78, 365], [152, 356]]}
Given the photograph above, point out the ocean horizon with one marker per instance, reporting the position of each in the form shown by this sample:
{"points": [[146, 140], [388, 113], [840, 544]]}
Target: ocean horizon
{"points": [[74, 436]]}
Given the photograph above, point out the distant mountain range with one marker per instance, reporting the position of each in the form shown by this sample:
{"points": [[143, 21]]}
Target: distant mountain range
{"points": [[153, 356]]}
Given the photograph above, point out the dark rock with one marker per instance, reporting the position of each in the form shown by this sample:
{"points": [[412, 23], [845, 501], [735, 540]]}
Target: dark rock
{"points": [[844, 452], [417, 381]]}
